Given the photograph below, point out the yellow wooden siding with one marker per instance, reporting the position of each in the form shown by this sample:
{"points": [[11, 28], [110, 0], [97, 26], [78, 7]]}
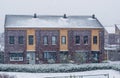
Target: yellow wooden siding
{"points": [[95, 47], [63, 47], [31, 47]]}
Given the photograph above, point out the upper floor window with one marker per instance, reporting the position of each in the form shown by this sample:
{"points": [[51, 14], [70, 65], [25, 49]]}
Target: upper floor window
{"points": [[63, 39], [85, 39], [118, 40], [77, 39], [53, 40], [11, 40], [94, 39], [31, 39], [45, 40], [20, 39]]}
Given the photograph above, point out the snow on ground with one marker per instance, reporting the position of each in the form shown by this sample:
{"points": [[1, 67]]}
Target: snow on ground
{"points": [[112, 74]]}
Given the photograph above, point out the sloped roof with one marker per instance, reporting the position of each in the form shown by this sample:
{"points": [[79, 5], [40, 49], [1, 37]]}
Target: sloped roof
{"points": [[110, 29], [49, 21], [118, 26]]}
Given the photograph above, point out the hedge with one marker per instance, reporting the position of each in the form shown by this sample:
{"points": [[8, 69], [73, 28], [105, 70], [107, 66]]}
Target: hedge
{"points": [[57, 68]]}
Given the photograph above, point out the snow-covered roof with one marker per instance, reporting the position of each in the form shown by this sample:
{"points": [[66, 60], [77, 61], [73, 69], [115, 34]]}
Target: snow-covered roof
{"points": [[107, 48], [110, 29], [49, 21], [118, 25]]}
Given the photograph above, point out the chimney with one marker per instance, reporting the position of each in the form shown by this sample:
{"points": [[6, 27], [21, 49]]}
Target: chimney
{"points": [[64, 16], [93, 16], [35, 15]]}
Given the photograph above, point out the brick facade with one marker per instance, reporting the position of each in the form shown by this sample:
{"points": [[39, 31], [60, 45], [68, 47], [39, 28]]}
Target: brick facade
{"points": [[41, 48], [73, 47], [15, 47]]}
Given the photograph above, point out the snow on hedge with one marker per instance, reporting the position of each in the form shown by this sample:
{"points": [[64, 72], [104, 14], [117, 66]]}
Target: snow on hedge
{"points": [[53, 68]]}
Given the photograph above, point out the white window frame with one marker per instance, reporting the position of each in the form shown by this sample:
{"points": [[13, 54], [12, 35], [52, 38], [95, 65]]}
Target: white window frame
{"points": [[16, 58], [63, 40], [53, 40], [45, 40]]}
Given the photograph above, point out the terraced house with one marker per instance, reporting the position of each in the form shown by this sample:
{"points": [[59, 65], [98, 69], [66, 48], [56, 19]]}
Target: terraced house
{"points": [[36, 39]]}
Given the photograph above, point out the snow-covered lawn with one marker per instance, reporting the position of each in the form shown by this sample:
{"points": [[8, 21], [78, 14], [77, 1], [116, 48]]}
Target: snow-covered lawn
{"points": [[112, 74]]}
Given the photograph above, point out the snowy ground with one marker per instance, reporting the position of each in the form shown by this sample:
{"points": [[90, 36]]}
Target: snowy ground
{"points": [[112, 74]]}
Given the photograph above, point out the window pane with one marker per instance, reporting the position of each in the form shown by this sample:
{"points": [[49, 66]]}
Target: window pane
{"points": [[77, 40], [11, 39], [31, 40], [50, 57], [20, 40], [16, 56], [85, 39], [95, 57], [45, 40], [63, 40], [81, 57], [94, 39], [53, 40]]}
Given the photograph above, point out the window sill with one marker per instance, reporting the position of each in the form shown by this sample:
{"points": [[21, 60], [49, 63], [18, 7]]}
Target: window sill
{"points": [[30, 44], [21, 44], [53, 44], [16, 60], [85, 44], [45, 44], [94, 44], [11, 44], [77, 44]]}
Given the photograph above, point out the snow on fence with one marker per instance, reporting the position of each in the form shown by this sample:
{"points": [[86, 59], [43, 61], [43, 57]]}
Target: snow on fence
{"points": [[83, 76], [7, 76]]}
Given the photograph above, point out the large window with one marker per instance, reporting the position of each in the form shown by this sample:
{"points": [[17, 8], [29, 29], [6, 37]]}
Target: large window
{"points": [[16, 56], [85, 40], [45, 40], [31, 39], [77, 39], [94, 39], [50, 57], [53, 40], [30, 57], [20, 39], [81, 57], [95, 56], [11, 40], [63, 39], [64, 57]]}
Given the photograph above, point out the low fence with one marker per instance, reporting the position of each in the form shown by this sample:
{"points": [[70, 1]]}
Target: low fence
{"points": [[83, 76]]}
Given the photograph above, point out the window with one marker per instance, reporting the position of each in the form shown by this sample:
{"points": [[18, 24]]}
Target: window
{"points": [[63, 40], [94, 39], [95, 56], [53, 40], [16, 56], [85, 40], [63, 56], [11, 39], [45, 40], [31, 39], [81, 57], [50, 57], [77, 39], [118, 40], [20, 39]]}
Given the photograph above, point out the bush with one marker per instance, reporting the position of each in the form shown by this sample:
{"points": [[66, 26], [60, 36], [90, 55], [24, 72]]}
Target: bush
{"points": [[53, 68]]}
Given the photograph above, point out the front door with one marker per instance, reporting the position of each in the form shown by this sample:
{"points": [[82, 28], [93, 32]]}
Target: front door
{"points": [[31, 58]]}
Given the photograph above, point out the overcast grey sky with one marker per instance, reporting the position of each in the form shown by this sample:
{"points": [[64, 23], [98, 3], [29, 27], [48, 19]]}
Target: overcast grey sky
{"points": [[107, 11]]}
